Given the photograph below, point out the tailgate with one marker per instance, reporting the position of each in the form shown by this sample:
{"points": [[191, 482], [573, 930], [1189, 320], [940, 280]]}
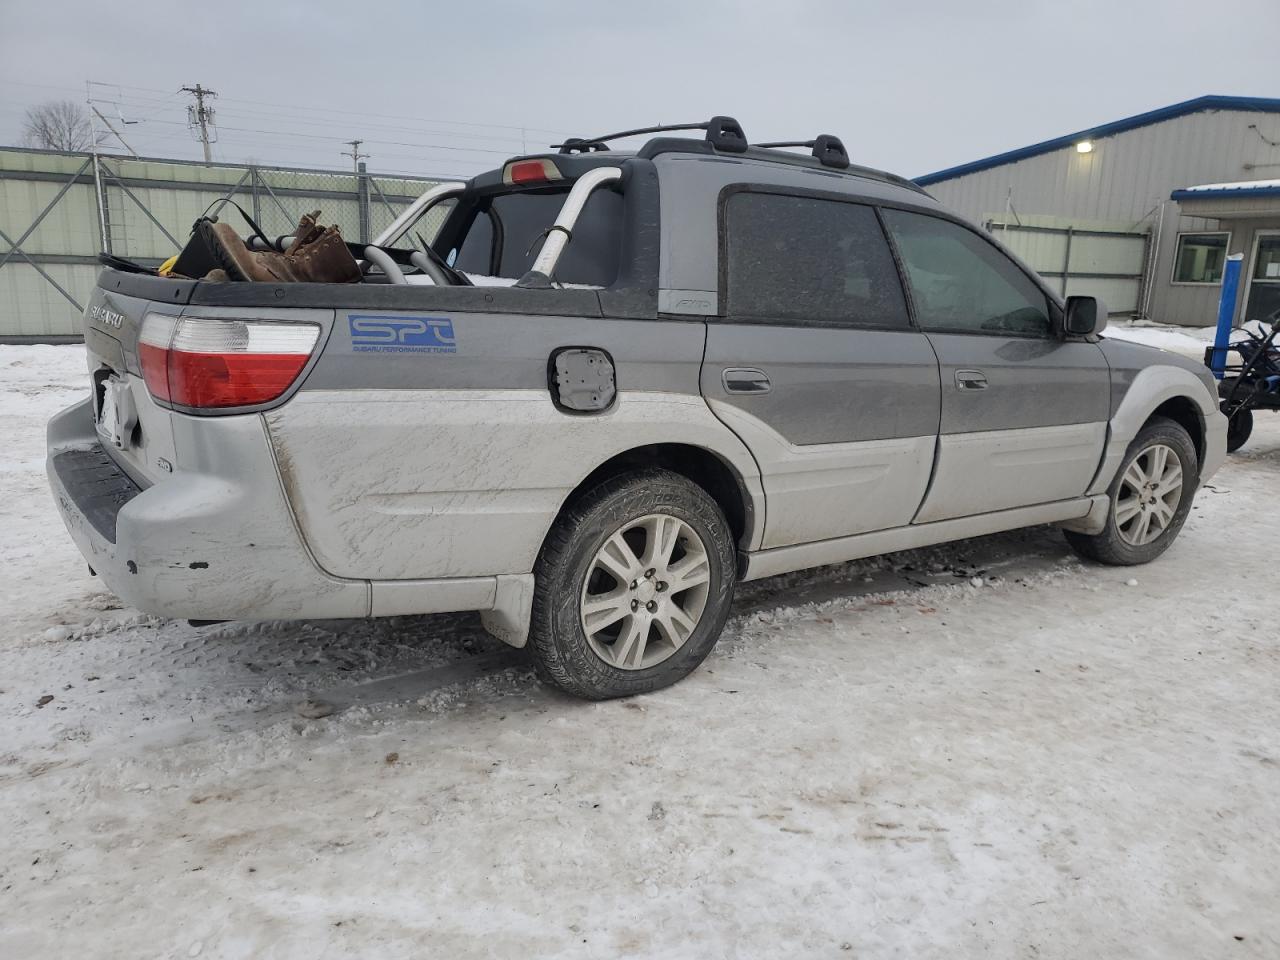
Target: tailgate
{"points": [[132, 427]]}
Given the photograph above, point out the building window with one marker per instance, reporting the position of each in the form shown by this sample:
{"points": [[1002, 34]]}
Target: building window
{"points": [[1266, 263], [1199, 257]]}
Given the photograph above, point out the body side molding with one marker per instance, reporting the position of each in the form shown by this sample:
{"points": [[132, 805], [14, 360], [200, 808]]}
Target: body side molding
{"points": [[770, 563]]}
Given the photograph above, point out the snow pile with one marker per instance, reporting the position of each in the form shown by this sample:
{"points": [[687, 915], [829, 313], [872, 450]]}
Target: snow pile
{"points": [[44, 583]]}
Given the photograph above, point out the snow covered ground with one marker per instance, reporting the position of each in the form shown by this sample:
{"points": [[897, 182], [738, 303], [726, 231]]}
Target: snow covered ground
{"points": [[989, 749]]}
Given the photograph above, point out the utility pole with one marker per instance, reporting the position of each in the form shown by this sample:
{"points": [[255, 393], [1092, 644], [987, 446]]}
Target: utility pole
{"points": [[355, 154], [362, 185], [201, 116]]}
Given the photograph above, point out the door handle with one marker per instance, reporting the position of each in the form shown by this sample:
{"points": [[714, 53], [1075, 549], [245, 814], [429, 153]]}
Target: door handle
{"points": [[745, 380], [971, 380]]}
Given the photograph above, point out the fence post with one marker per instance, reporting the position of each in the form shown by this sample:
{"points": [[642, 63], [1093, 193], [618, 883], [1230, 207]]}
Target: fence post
{"points": [[362, 197], [1226, 313], [104, 214], [257, 200]]}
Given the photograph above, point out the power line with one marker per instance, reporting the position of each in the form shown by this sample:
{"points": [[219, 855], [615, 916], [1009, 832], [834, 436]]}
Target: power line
{"points": [[386, 116], [336, 139], [366, 125], [149, 104], [291, 108]]}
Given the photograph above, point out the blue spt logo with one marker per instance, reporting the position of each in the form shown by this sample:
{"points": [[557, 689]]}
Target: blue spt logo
{"points": [[375, 333]]}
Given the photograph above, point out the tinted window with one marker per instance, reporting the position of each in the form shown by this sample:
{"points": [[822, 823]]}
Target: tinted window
{"points": [[519, 220], [808, 260], [960, 282], [476, 251]]}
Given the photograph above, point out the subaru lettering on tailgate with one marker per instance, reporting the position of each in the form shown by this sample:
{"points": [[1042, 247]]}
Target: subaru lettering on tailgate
{"points": [[375, 333]]}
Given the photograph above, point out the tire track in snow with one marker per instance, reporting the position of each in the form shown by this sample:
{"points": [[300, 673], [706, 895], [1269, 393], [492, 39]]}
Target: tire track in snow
{"points": [[1019, 553]]}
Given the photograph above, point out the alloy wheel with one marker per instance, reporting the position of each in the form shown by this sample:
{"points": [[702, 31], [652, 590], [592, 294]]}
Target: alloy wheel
{"points": [[1149, 494], [645, 591]]}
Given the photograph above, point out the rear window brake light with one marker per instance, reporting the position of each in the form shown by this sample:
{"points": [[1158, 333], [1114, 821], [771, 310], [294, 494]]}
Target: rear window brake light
{"points": [[530, 171]]}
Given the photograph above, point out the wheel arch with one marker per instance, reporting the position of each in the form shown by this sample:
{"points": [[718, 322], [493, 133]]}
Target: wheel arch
{"points": [[742, 508], [1185, 412], [1159, 390]]}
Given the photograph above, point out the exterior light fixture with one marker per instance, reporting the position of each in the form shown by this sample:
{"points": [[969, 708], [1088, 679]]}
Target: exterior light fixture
{"points": [[1084, 146]]}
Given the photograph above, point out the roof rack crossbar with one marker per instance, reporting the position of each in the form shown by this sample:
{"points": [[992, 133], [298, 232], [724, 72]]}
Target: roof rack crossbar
{"points": [[828, 149], [725, 133]]}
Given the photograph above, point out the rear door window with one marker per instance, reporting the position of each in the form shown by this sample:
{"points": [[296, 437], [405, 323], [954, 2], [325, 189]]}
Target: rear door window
{"points": [[808, 260], [961, 283]]}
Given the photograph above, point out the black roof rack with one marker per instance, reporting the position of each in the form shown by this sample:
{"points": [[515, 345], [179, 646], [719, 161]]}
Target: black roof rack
{"points": [[723, 133], [828, 149]]}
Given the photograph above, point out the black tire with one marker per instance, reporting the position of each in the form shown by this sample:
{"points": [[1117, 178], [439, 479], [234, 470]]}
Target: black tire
{"points": [[558, 641], [1239, 426], [1109, 546]]}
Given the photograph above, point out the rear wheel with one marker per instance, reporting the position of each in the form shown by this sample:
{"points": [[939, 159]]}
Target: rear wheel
{"points": [[633, 586], [1150, 497], [1239, 426]]}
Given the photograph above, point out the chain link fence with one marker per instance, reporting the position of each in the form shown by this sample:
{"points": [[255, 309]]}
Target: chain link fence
{"points": [[361, 205], [59, 210]]}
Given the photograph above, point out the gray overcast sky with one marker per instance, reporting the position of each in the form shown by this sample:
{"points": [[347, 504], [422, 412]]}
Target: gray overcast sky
{"points": [[437, 88]]}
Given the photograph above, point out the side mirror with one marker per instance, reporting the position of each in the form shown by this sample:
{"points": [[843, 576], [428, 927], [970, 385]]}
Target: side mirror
{"points": [[1085, 316]]}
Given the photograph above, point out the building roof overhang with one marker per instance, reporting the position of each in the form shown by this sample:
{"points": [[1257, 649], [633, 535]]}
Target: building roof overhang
{"points": [[1198, 105], [1240, 200]]}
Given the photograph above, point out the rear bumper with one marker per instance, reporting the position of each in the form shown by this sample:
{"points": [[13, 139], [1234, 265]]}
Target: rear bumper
{"points": [[219, 542]]}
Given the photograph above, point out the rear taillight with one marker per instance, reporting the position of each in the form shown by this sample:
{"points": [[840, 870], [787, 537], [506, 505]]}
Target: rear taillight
{"points": [[210, 363]]}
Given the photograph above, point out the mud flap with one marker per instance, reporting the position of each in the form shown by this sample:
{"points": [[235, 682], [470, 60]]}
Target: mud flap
{"points": [[512, 609]]}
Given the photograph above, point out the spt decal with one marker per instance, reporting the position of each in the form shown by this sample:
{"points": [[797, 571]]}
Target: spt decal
{"points": [[374, 333]]}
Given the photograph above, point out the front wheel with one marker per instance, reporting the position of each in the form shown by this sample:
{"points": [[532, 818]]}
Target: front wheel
{"points": [[633, 587], [1150, 497]]}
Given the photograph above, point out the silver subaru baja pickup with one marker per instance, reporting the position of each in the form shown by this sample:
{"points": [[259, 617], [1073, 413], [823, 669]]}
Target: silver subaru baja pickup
{"points": [[600, 389]]}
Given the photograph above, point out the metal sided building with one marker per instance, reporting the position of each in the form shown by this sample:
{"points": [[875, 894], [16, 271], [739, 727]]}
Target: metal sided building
{"points": [[1143, 211]]}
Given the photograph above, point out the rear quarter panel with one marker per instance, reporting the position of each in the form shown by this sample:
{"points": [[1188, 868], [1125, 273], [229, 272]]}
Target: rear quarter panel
{"points": [[452, 460]]}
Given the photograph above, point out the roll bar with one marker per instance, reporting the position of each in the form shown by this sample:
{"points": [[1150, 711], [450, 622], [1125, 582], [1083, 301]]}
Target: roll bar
{"points": [[559, 233], [441, 191], [557, 236], [382, 259]]}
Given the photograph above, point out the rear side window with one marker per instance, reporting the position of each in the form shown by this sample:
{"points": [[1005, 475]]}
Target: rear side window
{"points": [[960, 283], [506, 233], [809, 260]]}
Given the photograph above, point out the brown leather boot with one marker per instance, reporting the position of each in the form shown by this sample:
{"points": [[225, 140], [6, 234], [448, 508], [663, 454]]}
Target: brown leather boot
{"points": [[308, 232], [325, 260], [241, 263]]}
